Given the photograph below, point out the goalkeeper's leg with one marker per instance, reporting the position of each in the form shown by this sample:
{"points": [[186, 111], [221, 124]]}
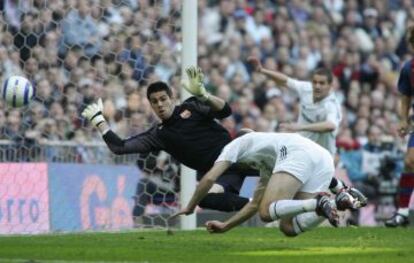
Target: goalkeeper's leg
{"points": [[225, 194], [225, 202]]}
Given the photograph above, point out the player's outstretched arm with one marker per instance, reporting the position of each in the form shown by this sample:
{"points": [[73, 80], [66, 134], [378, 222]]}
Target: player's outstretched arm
{"points": [[247, 211], [203, 187], [280, 78], [140, 143], [325, 126]]}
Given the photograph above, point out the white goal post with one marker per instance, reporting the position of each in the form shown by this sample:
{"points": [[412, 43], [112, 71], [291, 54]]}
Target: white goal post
{"points": [[189, 58]]}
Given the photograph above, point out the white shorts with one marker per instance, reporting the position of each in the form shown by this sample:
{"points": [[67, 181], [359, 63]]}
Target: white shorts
{"points": [[315, 170]]}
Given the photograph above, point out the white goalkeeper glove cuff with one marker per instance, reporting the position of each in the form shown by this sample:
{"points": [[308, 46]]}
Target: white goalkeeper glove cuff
{"points": [[97, 119], [94, 113]]}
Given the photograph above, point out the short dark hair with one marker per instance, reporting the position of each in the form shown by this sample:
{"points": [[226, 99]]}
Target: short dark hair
{"points": [[158, 86], [324, 72]]}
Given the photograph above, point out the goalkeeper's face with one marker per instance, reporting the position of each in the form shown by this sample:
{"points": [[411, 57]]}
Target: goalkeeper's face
{"points": [[162, 104]]}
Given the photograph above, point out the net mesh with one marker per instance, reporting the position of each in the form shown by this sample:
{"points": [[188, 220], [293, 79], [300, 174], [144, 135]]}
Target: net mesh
{"points": [[56, 173]]}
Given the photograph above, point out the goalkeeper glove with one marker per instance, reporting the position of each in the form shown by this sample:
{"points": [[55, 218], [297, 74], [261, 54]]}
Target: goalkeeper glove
{"points": [[195, 85], [94, 113]]}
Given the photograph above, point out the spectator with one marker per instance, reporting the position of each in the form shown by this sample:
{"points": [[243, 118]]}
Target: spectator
{"points": [[132, 54], [80, 29]]}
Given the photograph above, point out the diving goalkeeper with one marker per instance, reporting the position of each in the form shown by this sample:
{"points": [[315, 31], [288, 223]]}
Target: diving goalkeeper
{"points": [[188, 132]]}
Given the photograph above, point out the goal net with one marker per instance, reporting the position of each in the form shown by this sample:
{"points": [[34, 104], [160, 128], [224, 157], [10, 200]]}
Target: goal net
{"points": [[56, 174]]}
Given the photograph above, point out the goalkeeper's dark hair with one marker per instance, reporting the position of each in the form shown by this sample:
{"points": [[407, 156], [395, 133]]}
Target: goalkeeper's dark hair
{"points": [[324, 72], [158, 86]]}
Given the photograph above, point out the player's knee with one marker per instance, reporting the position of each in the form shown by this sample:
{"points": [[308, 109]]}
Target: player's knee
{"points": [[264, 213], [287, 228]]}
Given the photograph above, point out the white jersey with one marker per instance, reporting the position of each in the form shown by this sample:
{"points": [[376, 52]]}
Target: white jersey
{"points": [[328, 109], [292, 153], [261, 150]]}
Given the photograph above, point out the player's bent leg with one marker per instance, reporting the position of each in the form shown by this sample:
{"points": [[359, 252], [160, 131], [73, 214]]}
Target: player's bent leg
{"points": [[281, 186], [305, 222], [326, 209], [302, 222], [287, 228]]}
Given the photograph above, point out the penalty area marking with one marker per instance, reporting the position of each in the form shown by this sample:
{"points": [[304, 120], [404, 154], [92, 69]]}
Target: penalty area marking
{"points": [[311, 251]]}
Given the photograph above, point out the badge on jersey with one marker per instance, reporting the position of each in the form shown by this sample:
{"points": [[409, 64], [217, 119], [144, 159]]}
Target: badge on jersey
{"points": [[185, 114]]}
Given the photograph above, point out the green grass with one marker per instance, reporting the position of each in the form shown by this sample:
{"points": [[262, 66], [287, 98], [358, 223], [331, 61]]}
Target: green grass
{"points": [[240, 245]]}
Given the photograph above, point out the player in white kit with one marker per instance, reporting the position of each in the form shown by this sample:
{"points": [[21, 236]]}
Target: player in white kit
{"points": [[295, 173], [319, 120]]}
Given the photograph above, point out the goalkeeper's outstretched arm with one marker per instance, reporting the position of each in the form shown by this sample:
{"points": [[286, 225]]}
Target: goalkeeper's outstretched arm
{"points": [[216, 103], [195, 86], [142, 143]]}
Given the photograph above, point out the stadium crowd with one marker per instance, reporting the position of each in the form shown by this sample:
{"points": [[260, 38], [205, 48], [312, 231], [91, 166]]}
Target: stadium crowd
{"points": [[77, 51]]}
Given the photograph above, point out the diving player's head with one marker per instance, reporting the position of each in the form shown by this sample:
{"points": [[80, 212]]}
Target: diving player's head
{"points": [[321, 83], [159, 95]]}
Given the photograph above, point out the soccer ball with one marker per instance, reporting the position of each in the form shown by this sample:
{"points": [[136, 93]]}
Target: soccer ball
{"points": [[17, 91]]}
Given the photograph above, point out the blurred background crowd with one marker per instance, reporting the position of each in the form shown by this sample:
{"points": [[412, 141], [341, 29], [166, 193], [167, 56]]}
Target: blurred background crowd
{"points": [[76, 51]]}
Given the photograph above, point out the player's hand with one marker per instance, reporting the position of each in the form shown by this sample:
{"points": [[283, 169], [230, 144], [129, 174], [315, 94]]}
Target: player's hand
{"points": [[257, 65], [289, 127], [185, 211], [403, 128], [94, 113], [215, 226], [195, 84]]}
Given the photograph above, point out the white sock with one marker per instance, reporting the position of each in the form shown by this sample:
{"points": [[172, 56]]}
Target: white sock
{"points": [[288, 208], [339, 186], [306, 221], [403, 211]]}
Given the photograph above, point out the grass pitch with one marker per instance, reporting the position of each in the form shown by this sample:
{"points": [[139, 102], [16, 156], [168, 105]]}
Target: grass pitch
{"points": [[239, 245]]}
